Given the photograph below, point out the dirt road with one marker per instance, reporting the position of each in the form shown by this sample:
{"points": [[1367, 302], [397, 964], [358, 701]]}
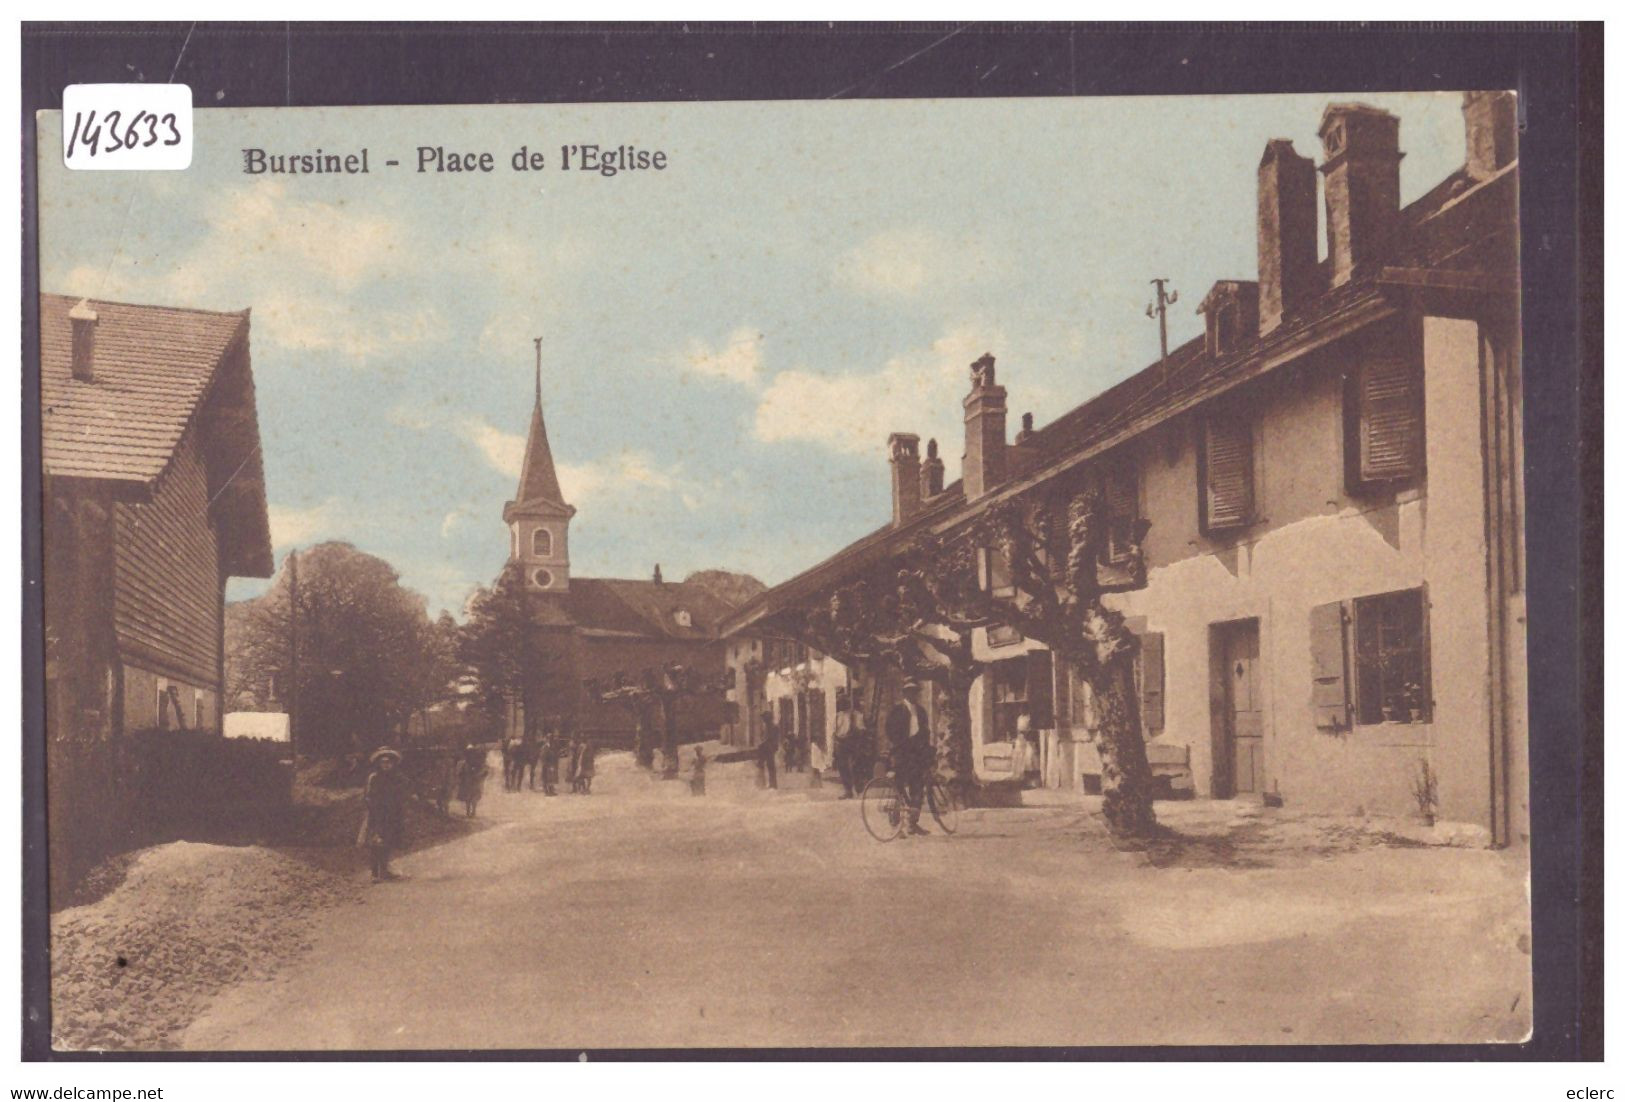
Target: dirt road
{"points": [[642, 917]]}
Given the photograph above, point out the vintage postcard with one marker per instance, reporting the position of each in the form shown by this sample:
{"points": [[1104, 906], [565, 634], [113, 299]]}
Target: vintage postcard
{"points": [[894, 573]]}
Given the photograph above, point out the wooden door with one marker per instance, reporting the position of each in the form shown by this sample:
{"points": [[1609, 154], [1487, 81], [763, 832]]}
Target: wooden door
{"points": [[1243, 702]]}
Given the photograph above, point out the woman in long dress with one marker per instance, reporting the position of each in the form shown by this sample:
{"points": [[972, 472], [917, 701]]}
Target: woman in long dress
{"points": [[471, 773]]}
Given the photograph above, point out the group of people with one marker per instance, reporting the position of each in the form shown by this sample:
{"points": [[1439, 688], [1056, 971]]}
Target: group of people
{"points": [[908, 733], [539, 762]]}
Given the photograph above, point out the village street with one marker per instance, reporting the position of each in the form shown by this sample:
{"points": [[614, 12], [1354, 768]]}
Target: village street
{"points": [[644, 917]]}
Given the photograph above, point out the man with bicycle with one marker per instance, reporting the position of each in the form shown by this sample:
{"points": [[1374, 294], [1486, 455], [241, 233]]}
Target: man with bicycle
{"points": [[908, 733]]}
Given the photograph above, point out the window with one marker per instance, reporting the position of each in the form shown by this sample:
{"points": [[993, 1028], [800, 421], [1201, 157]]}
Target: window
{"points": [[1121, 489], [541, 542], [1224, 474], [1021, 685], [1391, 676], [1382, 408], [541, 578], [197, 709]]}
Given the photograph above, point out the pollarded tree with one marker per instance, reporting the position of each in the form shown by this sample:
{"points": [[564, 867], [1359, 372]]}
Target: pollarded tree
{"points": [[1039, 564], [889, 617]]}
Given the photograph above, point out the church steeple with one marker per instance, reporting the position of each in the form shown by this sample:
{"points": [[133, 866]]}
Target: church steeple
{"points": [[538, 518]]}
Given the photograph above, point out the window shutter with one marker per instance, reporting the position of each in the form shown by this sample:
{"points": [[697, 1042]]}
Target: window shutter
{"points": [[1330, 659], [1123, 509], [1041, 689], [1228, 493], [1151, 714], [1390, 421]]}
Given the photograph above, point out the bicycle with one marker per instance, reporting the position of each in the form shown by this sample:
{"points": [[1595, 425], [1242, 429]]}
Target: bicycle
{"points": [[885, 808]]}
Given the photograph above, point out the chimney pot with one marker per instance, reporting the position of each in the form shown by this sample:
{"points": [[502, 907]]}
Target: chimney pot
{"points": [[1288, 258], [1361, 144], [984, 460], [83, 320], [930, 472], [1492, 131], [905, 475]]}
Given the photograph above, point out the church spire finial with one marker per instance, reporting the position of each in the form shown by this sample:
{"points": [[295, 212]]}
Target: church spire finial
{"points": [[538, 371]]}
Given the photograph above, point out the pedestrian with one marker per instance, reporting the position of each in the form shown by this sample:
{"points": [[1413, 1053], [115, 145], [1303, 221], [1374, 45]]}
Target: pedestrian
{"points": [[383, 829], [767, 752], [550, 766], [846, 744], [816, 762], [696, 786], [908, 732], [586, 766], [1027, 751], [471, 773], [571, 750]]}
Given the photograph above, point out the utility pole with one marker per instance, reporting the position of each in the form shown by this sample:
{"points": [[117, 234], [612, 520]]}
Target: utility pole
{"points": [[1158, 311], [293, 656]]}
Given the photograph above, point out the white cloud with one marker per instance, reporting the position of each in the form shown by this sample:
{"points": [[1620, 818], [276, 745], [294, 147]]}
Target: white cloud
{"points": [[738, 360], [340, 246], [291, 525], [317, 322], [503, 451], [909, 261], [626, 473], [918, 391]]}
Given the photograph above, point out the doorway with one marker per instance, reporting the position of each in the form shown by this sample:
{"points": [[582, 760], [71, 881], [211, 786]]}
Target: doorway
{"points": [[1237, 704]]}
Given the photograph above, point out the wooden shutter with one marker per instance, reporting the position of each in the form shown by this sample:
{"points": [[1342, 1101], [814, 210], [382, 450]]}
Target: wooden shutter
{"points": [[1390, 420], [1329, 656], [1122, 491], [1151, 680], [1041, 689], [1227, 450]]}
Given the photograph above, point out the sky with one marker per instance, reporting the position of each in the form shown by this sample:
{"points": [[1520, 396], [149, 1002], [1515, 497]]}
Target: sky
{"points": [[727, 342]]}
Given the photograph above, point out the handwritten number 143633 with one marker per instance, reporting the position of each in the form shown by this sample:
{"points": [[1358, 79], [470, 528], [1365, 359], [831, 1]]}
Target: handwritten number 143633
{"points": [[138, 131]]}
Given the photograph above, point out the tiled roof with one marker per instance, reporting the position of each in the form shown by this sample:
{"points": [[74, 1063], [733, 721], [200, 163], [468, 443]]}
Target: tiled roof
{"points": [[1460, 226], [152, 366], [635, 607]]}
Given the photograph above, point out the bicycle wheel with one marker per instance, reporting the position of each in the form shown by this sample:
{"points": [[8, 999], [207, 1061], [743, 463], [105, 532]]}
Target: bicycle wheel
{"points": [[943, 799], [882, 816]]}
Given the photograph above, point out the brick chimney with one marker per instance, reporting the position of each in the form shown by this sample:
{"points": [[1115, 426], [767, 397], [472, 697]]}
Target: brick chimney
{"points": [[1361, 145], [83, 319], [930, 473], [1288, 261], [983, 466], [905, 475], [1492, 132], [658, 580]]}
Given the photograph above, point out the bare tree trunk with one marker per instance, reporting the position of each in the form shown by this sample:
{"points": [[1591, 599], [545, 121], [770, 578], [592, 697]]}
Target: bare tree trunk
{"points": [[1125, 775], [668, 720]]}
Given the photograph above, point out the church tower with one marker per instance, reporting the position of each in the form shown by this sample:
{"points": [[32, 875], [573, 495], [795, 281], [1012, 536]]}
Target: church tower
{"points": [[538, 519]]}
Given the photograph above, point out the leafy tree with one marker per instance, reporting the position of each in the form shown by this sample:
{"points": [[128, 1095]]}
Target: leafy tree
{"points": [[343, 640], [506, 650]]}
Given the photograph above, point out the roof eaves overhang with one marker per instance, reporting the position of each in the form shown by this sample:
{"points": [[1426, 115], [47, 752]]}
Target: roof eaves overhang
{"points": [[1312, 336]]}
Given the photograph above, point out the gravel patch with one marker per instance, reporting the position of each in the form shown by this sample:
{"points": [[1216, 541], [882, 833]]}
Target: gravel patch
{"points": [[134, 968]]}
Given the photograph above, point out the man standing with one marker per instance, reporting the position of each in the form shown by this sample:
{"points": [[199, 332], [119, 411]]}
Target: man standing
{"points": [[908, 733], [384, 828], [767, 752], [845, 743]]}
